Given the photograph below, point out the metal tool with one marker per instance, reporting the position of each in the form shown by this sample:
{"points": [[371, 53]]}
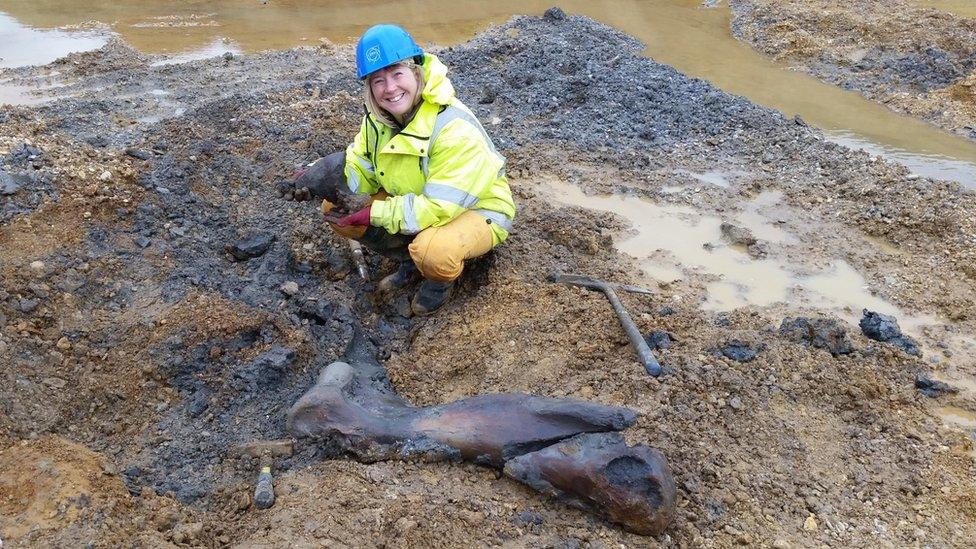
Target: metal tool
{"points": [[358, 259], [644, 353], [266, 451]]}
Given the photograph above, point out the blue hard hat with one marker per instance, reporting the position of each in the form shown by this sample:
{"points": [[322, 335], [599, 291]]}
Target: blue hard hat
{"points": [[381, 46]]}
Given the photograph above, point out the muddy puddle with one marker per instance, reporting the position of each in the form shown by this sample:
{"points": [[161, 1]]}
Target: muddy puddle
{"points": [[958, 417], [13, 94], [674, 242], [962, 8], [681, 33], [21, 45]]}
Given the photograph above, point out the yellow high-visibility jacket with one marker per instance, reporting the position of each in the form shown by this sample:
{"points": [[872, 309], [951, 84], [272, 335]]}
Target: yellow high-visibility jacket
{"points": [[441, 164]]}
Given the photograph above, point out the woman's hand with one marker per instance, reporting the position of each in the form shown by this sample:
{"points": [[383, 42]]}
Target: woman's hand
{"points": [[360, 218]]}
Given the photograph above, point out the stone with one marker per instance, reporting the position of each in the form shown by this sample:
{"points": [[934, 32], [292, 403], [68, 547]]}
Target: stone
{"points": [[27, 305], [884, 328], [879, 327], [253, 245], [142, 241], [403, 525], [554, 14], [106, 176], [781, 544], [823, 333], [141, 155], [8, 185], [289, 288], [166, 520], [932, 388], [758, 249], [739, 236], [267, 369], [64, 344], [658, 340], [38, 268], [810, 525], [54, 382], [738, 351], [529, 517], [273, 448]]}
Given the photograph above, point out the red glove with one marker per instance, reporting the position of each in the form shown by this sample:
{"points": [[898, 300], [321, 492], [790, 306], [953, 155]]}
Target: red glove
{"points": [[359, 218]]}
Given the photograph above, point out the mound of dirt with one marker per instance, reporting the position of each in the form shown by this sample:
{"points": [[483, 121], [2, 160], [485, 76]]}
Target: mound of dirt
{"points": [[132, 337], [916, 60]]}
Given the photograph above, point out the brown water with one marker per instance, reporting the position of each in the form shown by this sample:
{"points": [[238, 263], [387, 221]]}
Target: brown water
{"points": [[678, 242], [681, 33], [962, 8], [958, 417]]}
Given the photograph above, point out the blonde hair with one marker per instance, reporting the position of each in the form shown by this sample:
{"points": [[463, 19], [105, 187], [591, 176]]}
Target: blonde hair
{"points": [[382, 114]]}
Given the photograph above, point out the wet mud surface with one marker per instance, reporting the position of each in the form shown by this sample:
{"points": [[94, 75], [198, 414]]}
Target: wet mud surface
{"points": [[140, 350], [914, 59]]}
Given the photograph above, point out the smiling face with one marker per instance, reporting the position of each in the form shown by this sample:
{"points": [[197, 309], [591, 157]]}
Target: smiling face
{"points": [[394, 88]]}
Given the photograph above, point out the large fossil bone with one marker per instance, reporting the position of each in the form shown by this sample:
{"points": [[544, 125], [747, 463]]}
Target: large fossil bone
{"points": [[354, 405], [598, 472]]}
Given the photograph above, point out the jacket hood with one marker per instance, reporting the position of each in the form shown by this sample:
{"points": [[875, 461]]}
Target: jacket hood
{"points": [[437, 87]]}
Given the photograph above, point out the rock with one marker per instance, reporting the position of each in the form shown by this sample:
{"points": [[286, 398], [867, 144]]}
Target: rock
{"points": [[268, 368], [884, 328], [529, 517], [27, 305], [932, 388], [38, 268], [554, 14], [187, 532], [403, 525], [40, 291], [141, 155], [8, 185], [810, 525], [879, 327], [735, 403], [781, 544], [289, 288], [738, 351], [166, 520], [402, 306], [737, 235], [64, 344], [106, 176], [54, 382], [823, 333], [658, 340], [254, 245], [142, 241], [228, 56], [758, 249]]}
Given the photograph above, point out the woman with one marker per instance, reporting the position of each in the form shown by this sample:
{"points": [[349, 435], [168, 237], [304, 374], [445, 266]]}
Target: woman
{"points": [[438, 186]]}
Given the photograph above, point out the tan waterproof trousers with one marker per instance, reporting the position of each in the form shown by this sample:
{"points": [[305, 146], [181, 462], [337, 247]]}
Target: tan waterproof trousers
{"points": [[438, 252]]}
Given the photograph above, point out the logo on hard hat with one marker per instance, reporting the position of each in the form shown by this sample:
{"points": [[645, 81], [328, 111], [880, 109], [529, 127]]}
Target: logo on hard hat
{"points": [[373, 54]]}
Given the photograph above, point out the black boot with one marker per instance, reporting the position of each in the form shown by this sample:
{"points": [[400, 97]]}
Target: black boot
{"points": [[393, 246], [431, 296], [405, 274]]}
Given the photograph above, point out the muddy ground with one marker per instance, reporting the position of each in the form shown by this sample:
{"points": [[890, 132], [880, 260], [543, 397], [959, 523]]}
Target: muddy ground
{"points": [[137, 351], [916, 60]]}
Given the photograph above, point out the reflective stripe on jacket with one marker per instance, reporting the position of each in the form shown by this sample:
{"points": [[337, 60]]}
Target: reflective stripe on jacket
{"points": [[441, 164]]}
